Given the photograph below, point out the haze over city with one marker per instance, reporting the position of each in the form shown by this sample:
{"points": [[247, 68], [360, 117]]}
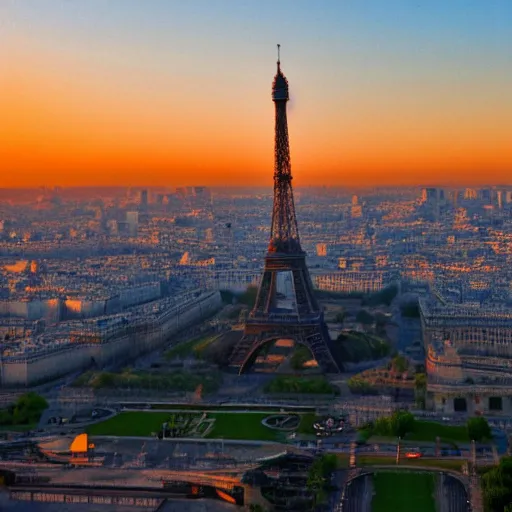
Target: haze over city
{"points": [[255, 256], [176, 93]]}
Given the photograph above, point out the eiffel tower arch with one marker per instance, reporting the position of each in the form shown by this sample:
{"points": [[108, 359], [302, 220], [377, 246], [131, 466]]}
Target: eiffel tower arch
{"points": [[301, 320]]}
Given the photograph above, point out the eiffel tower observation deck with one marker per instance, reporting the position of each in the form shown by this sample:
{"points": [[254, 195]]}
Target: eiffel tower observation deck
{"points": [[285, 307]]}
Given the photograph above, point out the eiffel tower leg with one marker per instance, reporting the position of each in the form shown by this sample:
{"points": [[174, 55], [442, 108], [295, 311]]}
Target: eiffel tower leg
{"points": [[264, 292], [256, 336]]}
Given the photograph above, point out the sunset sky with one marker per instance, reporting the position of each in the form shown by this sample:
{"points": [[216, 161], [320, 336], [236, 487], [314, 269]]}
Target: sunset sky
{"points": [[168, 92]]}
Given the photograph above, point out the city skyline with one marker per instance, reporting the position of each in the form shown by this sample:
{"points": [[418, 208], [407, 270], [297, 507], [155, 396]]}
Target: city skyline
{"points": [[403, 94]]}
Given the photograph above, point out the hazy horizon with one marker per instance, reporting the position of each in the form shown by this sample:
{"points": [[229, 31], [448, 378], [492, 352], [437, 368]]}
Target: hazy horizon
{"points": [[156, 92]]}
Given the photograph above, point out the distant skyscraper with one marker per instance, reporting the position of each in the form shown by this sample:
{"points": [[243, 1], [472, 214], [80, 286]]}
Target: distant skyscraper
{"points": [[431, 195], [433, 198], [132, 219], [499, 197], [486, 195], [143, 200]]}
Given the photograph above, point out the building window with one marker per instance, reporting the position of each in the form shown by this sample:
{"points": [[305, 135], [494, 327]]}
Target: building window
{"points": [[495, 403], [460, 405]]}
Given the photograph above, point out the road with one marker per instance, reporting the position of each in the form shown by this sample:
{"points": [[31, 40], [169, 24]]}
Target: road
{"points": [[453, 496], [357, 496]]}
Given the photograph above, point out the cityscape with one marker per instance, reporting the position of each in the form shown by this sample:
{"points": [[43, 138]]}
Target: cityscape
{"points": [[283, 344]]}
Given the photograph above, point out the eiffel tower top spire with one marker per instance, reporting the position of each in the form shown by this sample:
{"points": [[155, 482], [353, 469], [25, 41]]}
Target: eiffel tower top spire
{"points": [[284, 236], [280, 85]]}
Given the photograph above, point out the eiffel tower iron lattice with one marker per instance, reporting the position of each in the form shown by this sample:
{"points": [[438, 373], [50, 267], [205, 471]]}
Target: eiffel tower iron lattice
{"points": [[302, 320]]}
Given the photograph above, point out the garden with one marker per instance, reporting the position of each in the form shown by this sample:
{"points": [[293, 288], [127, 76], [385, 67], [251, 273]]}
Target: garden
{"points": [[209, 424]]}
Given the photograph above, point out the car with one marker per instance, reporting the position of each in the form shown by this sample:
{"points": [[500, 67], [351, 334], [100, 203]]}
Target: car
{"points": [[412, 455]]}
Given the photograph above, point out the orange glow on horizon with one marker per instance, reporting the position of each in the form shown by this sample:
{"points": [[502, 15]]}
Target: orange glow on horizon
{"points": [[62, 125]]}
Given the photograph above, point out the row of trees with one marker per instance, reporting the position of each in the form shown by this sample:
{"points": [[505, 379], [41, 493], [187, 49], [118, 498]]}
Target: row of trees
{"points": [[305, 385], [361, 386], [173, 381], [383, 297], [400, 423], [319, 481], [354, 347], [397, 425], [26, 410], [478, 429]]}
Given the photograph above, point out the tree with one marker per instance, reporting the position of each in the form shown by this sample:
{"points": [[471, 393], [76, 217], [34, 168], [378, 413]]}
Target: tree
{"points": [[410, 310], [497, 486], [318, 476], [300, 357], [363, 317], [249, 296], [329, 463], [478, 428], [420, 388], [402, 422], [399, 364], [380, 319], [388, 294], [396, 425], [385, 296], [316, 481], [420, 381], [27, 409], [340, 317]]}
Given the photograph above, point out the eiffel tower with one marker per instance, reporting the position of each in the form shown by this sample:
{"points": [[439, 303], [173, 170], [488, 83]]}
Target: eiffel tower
{"points": [[301, 320]]}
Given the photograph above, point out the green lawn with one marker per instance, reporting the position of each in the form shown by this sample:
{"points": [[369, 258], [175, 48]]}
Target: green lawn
{"points": [[403, 492], [382, 460], [244, 425], [228, 425], [18, 428], [426, 431], [248, 426], [306, 424], [429, 430], [193, 346], [373, 460]]}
